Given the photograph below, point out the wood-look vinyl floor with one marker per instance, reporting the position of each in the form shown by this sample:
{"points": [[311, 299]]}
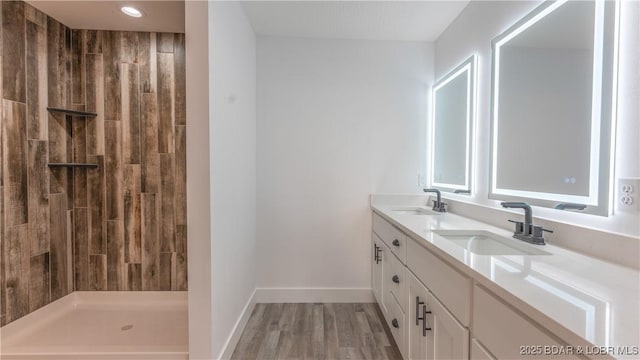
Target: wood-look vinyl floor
{"points": [[316, 331]]}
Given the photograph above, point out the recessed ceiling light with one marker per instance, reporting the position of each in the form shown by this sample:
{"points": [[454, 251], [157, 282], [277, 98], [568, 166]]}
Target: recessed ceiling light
{"points": [[131, 11]]}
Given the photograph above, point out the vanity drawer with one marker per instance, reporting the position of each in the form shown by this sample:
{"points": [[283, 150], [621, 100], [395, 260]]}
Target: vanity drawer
{"points": [[396, 281], [397, 325], [504, 331], [448, 285], [394, 238]]}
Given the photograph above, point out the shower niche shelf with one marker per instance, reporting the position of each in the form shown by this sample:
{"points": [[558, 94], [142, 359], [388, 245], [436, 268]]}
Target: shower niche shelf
{"points": [[73, 112], [73, 165]]}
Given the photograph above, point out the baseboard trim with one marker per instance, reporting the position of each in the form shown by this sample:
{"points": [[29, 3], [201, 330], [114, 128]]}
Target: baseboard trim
{"points": [[233, 339], [314, 295]]}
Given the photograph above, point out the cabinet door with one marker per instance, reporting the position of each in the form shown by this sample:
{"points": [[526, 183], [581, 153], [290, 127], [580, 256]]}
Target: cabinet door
{"points": [[418, 294], [449, 339], [377, 267], [385, 259]]}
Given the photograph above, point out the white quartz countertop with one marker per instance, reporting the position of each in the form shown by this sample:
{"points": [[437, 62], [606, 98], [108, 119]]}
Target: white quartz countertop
{"points": [[583, 300]]}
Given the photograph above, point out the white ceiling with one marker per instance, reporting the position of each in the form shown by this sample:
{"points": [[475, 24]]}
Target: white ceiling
{"points": [[370, 20], [159, 16]]}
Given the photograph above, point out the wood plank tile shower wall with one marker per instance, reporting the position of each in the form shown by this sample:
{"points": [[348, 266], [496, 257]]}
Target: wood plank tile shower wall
{"points": [[121, 226]]}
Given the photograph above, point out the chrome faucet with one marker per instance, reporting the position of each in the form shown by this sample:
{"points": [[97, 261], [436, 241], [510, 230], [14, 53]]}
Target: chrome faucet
{"points": [[438, 205], [526, 231]]}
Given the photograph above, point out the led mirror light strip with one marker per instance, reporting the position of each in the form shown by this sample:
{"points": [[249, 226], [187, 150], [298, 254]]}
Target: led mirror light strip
{"points": [[468, 69], [596, 112], [614, 107], [596, 101], [464, 70]]}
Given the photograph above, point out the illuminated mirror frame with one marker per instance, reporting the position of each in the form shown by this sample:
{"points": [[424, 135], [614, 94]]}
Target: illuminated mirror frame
{"points": [[467, 68], [603, 116]]}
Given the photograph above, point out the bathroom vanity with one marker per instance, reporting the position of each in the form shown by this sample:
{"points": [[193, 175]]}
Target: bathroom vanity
{"points": [[455, 288]]}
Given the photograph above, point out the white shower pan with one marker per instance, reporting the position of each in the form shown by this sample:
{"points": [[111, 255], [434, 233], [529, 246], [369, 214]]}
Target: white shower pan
{"points": [[102, 325]]}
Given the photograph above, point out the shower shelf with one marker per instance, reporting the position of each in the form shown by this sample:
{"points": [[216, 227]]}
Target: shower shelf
{"points": [[73, 112], [73, 165]]}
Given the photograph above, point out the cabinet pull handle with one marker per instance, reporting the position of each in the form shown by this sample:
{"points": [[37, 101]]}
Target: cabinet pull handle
{"points": [[395, 279], [418, 303], [375, 253], [424, 320], [378, 257], [396, 242], [394, 322]]}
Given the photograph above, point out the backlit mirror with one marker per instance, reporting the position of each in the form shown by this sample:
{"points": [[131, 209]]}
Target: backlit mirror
{"points": [[451, 129], [553, 113]]}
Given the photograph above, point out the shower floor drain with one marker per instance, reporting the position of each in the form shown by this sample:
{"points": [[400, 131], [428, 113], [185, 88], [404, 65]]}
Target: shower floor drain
{"points": [[126, 327]]}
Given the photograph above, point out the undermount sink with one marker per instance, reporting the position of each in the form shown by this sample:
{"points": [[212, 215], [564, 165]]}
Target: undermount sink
{"points": [[483, 242], [414, 210]]}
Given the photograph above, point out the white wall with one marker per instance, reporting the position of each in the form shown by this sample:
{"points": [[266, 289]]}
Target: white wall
{"points": [[232, 119], [198, 181], [221, 173], [338, 120], [473, 31]]}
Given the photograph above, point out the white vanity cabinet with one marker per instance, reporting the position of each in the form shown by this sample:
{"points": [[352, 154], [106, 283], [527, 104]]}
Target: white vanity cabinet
{"points": [[376, 271], [392, 310], [449, 285], [393, 278], [397, 321], [508, 335], [390, 278], [428, 302], [396, 289], [395, 239], [449, 339], [434, 333], [418, 334]]}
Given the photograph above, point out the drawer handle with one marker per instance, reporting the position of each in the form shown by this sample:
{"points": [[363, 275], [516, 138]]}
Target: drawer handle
{"points": [[424, 320], [395, 279], [396, 242], [394, 322], [418, 303]]}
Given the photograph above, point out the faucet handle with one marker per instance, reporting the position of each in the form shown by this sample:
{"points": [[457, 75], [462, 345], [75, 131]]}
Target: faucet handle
{"points": [[537, 231], [439, 206], [519, 226]]}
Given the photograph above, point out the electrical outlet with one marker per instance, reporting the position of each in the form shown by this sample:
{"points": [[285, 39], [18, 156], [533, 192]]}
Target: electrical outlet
{"points": [[626, 188], [627, 194], [626, 200]]}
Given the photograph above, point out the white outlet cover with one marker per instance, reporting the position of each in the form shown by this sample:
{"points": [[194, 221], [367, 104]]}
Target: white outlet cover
{"points": [[627, 195], [626, 200]]}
